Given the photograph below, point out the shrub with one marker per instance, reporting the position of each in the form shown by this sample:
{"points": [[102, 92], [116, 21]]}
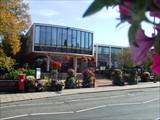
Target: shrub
{"points": [[117, 77], [30, 83], [71, 79], [88, 77], [30, 72], [13, 75]]}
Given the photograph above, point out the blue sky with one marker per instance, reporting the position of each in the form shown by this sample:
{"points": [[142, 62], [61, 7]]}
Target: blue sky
{"points": [[69, 13]]}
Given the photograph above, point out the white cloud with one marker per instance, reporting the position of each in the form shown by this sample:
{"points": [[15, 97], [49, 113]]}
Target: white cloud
{"points": [[48, 12], [110, 13]]}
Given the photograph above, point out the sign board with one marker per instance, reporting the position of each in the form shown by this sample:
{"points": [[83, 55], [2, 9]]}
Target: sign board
{"points": [[38, 73]]}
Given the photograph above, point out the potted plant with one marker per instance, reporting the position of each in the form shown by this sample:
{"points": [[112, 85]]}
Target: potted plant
{"points": [[71, 79], [88, 78], [145, 77], [117, 77], [56, 85], [30, 84], [132, 80]]}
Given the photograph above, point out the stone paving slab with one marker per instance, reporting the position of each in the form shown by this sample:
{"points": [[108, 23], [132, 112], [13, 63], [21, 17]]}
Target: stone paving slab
{"points": [[4, 98]]}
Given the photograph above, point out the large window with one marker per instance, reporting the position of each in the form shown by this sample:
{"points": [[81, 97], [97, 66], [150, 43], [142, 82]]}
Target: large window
{"points": [[90, 40], [48, 36], [61, 39], [78, 39], [54, 36], [69, 41], [64, 38], [105, 50], [42, 35], [86, 40], [74, 39], [37, 36], [82, 39]]}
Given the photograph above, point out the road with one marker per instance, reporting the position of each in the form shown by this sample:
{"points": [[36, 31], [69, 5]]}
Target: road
{"points": [[138, 104]]}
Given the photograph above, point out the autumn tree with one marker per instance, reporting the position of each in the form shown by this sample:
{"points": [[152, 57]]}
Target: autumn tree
{"points": [[14, 19], [124, 58]]}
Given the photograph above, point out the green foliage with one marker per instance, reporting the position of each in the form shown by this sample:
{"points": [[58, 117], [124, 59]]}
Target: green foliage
{"points": [[30, 72], [6, 63], [14, 19], [13, 75], [124, 58]]}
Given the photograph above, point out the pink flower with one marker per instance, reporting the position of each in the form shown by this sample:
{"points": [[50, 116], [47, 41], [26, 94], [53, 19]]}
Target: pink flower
{"points": [[123, 10], [156, 64], [157, 2], [144, 43]]}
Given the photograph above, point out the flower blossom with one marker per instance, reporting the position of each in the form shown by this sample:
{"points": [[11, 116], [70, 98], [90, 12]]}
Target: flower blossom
{"points": [[144, 43], [156, 64]]}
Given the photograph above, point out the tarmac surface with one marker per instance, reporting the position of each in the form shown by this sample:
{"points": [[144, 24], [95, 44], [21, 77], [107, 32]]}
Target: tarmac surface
{"points": [[101, 86]]}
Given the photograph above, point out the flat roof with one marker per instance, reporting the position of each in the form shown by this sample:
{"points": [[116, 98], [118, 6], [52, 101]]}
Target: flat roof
{"points": [[61, 26], [106, 45]]}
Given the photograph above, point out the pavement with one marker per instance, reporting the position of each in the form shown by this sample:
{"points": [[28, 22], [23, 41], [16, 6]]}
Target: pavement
{"points": [[4, 98]]}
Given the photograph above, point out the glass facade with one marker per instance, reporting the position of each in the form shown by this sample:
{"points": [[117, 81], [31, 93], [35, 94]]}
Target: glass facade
{"points": [[62, 39], [107, 55]]}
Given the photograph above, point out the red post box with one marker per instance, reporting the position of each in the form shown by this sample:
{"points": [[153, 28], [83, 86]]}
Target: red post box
{"points": [[21, 82]]}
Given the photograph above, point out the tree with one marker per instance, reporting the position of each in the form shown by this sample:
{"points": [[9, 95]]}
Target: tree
{"points": [[14, 19], [124, 58]]}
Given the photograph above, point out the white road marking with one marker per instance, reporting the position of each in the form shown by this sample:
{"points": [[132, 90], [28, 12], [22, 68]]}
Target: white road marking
{"points": [[102, 106], [34, 104], [97, 98], [151, 100], [92, 108], [51, 113], [122, 104], [59, 103], [74, 100], [36, 114], [12, 117]]}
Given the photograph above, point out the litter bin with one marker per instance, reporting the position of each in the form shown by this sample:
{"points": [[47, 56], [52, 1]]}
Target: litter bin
{"points": [[21, 82]]}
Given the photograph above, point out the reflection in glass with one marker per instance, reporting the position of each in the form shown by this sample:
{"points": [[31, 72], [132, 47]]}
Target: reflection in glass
{"points": [[37, 36], [64, 37], [82, 39], [59, 37], [90, 41], [54, 35], [74, 39], [48, 35], [42, 35], [78, 39], [69, 41], [86, 40]]}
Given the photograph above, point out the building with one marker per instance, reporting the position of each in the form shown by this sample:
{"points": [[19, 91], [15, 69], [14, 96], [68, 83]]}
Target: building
{"points": [[51, 42], [106, 55]]}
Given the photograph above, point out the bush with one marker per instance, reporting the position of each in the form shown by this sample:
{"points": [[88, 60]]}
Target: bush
{"points": [[132, 80], [117, 77], [88, 77], [30, 72], [30, 83], [13, 75], [71, 79]]}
